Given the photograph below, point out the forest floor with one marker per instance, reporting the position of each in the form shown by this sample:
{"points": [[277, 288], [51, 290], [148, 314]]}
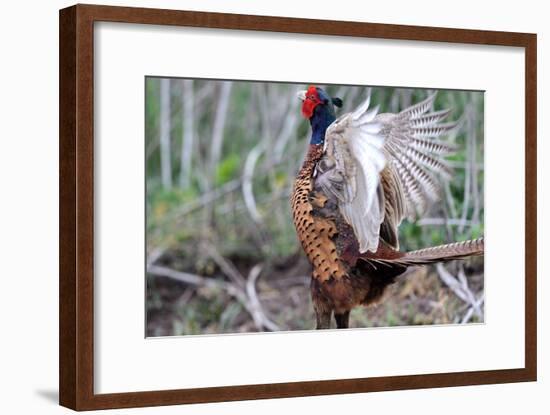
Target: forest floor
{"points": [[419, 297]]}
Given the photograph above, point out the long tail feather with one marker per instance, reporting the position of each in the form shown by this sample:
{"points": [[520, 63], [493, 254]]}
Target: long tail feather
{"points": [[389, 266], [449, 252]]}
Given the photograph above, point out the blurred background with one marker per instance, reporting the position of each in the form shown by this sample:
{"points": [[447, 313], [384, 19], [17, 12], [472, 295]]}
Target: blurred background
{"points": [[222, 252]]}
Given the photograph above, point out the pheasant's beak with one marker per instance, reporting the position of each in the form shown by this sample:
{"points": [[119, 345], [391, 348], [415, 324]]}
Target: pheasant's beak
{"points": [[302, 95]]}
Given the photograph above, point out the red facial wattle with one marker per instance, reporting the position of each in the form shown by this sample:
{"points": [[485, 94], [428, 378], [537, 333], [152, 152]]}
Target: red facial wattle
{"points": [[310, 102]]}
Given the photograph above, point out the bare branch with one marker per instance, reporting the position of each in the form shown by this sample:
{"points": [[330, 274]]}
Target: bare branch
{"points": [[248, 174], [185, 277], [226, 266], [446, 222], [459, 286], [257, 310], [154, 256]]}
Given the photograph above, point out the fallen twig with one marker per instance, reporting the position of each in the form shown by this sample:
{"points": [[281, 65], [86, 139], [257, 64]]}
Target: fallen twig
{"points": [[258, 313], [226, 267], [459, 286]]}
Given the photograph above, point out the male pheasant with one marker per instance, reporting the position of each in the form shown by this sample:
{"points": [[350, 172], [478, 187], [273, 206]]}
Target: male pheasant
{"points": [[363, 174]]}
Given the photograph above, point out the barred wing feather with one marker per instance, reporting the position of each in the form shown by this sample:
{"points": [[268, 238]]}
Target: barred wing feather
{"points": [[417, 154]]}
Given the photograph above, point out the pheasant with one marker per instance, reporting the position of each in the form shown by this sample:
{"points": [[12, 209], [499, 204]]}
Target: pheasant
{"points": [[362, 175]]}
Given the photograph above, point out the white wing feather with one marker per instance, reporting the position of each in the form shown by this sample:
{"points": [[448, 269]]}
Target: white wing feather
{"points": [[357, 146]]}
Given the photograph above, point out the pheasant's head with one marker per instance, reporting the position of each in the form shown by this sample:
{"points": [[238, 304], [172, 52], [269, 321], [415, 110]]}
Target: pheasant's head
{"points": [[318, 108], [314, 97]]}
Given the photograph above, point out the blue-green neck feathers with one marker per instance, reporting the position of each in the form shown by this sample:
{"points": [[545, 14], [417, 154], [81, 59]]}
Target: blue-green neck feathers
{"points": [[322, 118]]}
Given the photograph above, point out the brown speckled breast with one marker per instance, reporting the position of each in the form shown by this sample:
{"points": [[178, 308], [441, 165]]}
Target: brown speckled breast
{"points": [[314, 232]]}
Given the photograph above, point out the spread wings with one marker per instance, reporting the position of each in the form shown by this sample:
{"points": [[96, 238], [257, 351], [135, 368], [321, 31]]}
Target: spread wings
{"points": [[382, 167]]}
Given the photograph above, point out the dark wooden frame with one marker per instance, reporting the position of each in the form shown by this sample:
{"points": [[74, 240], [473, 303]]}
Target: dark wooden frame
{"points": [[76, 155]]}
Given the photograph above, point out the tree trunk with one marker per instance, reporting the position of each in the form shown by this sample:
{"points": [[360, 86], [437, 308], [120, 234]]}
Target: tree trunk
{"points": [[165, 157], [188, 102]]}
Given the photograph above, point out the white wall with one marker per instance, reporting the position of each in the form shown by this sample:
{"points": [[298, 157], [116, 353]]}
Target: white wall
{"points": [[28, 212]]}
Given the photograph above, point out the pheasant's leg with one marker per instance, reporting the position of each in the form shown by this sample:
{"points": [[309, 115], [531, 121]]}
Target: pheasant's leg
{"points": [[342, 320], [323, 319], [323, 309]]}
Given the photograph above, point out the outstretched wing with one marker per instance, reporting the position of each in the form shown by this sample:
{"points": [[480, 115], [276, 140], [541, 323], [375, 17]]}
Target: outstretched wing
{"points": [[416, 153], [380, 168]]}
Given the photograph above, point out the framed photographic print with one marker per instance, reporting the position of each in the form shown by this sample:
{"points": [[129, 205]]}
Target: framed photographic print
{"points": [[257, 207]]}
